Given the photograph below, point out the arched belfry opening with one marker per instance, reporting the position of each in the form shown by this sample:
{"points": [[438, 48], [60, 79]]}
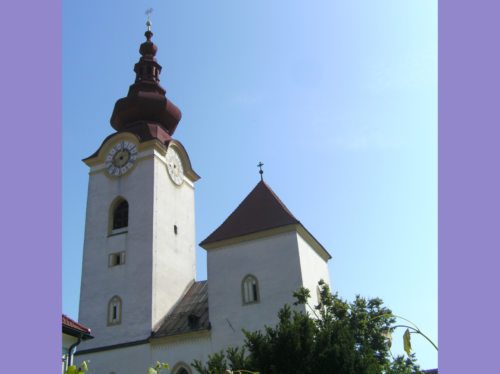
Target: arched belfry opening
{"points": [[118, 214]]}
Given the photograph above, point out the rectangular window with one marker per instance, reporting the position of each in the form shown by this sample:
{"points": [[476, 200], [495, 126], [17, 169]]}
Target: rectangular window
{"points": [[115, 259]]}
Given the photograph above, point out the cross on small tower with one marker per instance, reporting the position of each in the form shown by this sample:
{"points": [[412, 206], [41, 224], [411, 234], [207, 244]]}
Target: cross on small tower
{"points": [[259, 165], [148, 22]]}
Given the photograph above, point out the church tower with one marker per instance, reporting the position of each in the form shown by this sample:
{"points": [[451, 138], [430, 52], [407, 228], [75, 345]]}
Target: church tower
{"points": [[256, 259], [139, 246]]}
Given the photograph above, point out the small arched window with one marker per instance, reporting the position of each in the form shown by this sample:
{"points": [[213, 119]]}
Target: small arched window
{"points": [[181, 368], [120, 215], [250, 290], [115, 311]]}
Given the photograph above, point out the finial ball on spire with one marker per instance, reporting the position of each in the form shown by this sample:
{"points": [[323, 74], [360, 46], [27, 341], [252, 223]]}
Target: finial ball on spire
{"points": [[260, 165]]}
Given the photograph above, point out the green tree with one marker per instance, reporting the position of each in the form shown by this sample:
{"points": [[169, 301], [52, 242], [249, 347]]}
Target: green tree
{"points": [[234, 360], [336, 337]]}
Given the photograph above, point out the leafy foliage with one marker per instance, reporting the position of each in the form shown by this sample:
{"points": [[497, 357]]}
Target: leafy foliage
{"points": [[337, 337], [159, 367], [401, 365], [73, 369], [231, 361], [407, 342]]}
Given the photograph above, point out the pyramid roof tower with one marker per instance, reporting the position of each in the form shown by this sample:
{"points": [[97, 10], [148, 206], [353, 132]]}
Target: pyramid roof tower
{"points": [[261, 211]]}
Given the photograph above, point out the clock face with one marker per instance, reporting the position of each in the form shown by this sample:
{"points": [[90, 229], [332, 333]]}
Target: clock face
{"points": [[174, 166], [121, 158]]}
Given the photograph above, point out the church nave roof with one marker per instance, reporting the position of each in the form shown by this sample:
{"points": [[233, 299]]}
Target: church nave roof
{"points": [[189, 315]]}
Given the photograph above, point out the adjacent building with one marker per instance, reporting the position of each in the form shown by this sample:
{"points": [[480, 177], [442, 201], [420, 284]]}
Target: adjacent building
{"points": [[73, 333]]}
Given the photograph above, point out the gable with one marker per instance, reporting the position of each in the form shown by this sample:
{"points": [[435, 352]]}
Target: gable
{"points": [[261, 210]]}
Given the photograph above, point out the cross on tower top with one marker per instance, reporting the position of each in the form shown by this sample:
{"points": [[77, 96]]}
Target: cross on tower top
{"points": [[259, 165], [148, 22]]}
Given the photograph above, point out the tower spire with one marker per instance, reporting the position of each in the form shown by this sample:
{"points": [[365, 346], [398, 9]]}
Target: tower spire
{"points": [[146, 102]]}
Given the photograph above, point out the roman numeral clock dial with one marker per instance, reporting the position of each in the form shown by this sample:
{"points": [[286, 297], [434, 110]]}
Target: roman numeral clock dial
{"points": [[174, 166], [121, 158]]}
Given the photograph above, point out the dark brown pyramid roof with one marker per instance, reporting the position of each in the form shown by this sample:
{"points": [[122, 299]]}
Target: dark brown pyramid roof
{"points": [[260, 210]]}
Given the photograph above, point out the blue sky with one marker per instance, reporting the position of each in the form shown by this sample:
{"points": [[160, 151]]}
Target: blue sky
{"points": [[337, 98]]}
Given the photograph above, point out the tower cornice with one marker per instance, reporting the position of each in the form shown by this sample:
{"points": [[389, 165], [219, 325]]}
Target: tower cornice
{"points": [[145, 140]]}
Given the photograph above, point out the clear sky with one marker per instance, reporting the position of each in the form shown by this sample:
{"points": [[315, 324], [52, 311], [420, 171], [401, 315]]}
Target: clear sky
{"points": [[337, 98]]}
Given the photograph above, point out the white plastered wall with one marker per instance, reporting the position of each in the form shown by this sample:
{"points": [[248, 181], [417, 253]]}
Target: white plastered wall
{"points": [[313, 268], [131, 281], [183, 349], [159, 264], [274, 261], [126, 360], [174, 261], [136, 359]]}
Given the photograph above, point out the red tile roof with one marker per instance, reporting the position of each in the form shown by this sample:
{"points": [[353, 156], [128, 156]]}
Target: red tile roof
{"points": [[260, 210], [72, 327]]}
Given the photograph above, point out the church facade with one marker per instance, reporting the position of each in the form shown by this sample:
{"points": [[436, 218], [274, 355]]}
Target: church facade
{"points": [[138, 291]]}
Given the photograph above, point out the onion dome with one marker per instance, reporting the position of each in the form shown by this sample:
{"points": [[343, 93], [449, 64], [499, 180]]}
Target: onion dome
{"points": [[146, 102]]}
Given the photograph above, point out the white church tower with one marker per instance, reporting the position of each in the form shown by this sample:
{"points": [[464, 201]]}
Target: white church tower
{"points": [[139, 249], [138, 292], [256, 259]]}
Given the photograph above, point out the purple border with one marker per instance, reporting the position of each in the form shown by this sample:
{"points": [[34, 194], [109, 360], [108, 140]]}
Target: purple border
{"points": [[469, 186], [30, 270]]}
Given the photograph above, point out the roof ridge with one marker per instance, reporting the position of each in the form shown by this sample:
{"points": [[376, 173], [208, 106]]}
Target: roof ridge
{"points": [[260, 210], [279, 200], [242, 201]]}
